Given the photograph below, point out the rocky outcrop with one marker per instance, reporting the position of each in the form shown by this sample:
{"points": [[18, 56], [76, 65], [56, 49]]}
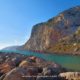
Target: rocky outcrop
{"points": [[70, 75], [15, 66], [15, 74], [8, 61], [60, 34]]}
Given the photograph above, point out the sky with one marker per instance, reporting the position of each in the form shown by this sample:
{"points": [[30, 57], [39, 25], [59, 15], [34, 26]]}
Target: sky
{"points": [[17, 17]]}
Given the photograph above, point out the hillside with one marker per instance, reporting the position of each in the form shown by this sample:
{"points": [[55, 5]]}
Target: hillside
{"points": [[61, 34]]}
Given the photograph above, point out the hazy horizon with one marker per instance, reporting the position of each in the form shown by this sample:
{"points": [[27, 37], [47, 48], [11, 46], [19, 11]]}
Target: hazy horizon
{"points": [[17, 17]]}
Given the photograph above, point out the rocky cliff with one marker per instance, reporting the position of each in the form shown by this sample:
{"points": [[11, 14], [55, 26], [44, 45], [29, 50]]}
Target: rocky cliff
{"points": [[61, 34]]}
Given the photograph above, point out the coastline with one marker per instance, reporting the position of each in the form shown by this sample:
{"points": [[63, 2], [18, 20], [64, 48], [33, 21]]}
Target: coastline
{"points": [[19, 64]]}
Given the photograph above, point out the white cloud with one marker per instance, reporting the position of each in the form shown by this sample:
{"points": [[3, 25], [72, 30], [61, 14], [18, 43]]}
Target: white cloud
{"points": [[16, 42], [26, 38]]}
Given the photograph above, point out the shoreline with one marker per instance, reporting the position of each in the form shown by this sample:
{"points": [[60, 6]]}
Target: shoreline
{"points": [[30, 66]]}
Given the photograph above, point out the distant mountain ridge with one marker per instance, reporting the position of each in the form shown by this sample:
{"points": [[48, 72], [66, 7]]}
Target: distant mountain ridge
{"points": [[11, 48], [60, 34]]}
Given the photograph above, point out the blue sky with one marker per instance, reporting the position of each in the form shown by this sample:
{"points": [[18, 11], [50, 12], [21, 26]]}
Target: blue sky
{"points": [[18, 16]]}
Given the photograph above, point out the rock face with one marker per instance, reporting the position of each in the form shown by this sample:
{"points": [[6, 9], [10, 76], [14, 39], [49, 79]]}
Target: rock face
{"points": [[15, 66], [15, 74], [9, 61], [59, 34], [70, 75], [19, 67]]}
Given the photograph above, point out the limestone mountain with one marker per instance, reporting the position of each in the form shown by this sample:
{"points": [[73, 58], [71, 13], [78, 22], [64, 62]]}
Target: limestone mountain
{"points": [[61, 34]]}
